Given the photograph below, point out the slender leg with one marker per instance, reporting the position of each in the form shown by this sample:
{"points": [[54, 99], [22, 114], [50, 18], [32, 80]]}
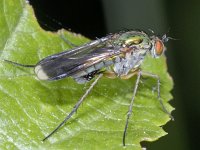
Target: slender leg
{"points": [[67, 41], [131, 105], [158, 91], [18, 64], [75, 107], [134, 93]]}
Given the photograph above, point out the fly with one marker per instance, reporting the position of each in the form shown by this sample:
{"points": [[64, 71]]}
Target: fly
{"points": [[115, 55]]}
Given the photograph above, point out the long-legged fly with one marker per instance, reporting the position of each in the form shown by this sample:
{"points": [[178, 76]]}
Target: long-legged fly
{"points": [[115, 55]]}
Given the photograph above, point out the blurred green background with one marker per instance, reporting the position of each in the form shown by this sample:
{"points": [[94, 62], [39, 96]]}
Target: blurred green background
{"points": [[96, 18]]}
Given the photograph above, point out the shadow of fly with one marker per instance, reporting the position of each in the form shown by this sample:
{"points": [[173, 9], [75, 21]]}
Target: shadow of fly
{"points": [[115, 55]]}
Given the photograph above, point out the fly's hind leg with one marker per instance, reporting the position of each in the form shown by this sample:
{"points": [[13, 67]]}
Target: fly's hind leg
{"points": [[75, 107], [66, 40]]}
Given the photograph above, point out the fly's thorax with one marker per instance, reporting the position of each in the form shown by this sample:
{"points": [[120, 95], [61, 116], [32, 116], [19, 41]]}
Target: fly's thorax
{"points": [[132, 40], [133, 45], [131, 60]]}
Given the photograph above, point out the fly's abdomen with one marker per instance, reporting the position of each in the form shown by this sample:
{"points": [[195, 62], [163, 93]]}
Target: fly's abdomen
{"points": [[41, 74], [51, 71], [89, 73]]}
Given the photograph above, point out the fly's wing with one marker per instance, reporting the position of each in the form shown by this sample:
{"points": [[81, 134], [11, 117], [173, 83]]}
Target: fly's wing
{"points": [[77, 50], [72, 63]]}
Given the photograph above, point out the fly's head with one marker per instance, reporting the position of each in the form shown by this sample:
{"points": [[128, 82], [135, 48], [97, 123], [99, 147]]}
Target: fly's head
{"points": [[158, 46]]}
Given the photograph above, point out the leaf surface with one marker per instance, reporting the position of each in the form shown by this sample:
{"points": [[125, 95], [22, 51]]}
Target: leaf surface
{"points": [[30, 109]]}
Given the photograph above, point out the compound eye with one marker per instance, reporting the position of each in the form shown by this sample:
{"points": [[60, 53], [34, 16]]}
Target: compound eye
{"points": [[159, 47], [133, 41]]}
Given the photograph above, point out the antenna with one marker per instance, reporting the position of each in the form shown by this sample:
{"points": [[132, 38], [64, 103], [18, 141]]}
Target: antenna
{"points": [[166, 38]]}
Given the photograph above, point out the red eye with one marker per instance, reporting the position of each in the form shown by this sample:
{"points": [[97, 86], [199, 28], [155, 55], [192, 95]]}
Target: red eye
{"points": [[159, 47]]}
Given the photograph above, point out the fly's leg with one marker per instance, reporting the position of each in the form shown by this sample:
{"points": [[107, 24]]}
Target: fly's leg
{"points": [[75, 107], [67, 41], [158, 91], [18, 64], [139, 73], [131, 105]]}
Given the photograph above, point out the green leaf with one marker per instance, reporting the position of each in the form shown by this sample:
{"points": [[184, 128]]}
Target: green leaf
{"points": [[30, 109]]}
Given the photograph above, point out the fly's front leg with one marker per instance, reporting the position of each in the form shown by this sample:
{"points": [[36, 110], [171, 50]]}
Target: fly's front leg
{"points": [[75, 107], [158, 91]]}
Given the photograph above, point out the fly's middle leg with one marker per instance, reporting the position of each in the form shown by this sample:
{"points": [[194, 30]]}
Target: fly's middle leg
{"points": [[158, 91], [75, 107], [131, 105]]}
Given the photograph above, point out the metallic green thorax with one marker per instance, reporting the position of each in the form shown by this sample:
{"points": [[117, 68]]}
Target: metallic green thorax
{"points": [[128, 38]]}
